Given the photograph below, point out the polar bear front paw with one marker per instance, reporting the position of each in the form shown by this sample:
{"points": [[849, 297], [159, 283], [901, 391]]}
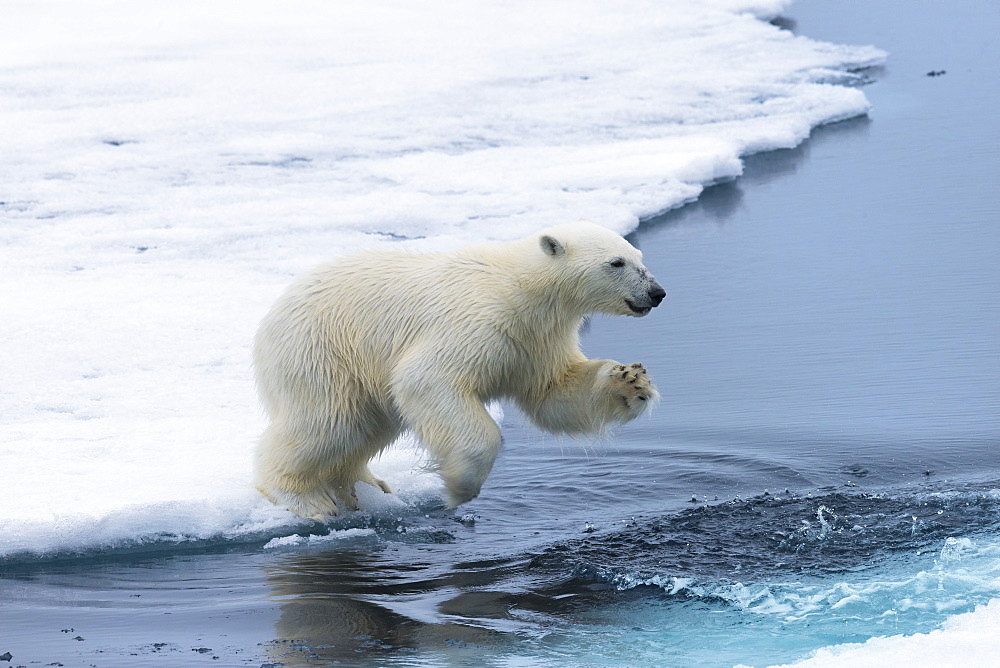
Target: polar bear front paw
{"points": [[633, 387]]}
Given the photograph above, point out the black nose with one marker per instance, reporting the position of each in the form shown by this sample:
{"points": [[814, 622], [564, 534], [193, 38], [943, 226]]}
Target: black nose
{"points": [[656, 294]]}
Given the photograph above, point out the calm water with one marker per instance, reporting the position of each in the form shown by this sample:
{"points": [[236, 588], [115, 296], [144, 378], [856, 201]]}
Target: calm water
{"points": [[820, 469]]}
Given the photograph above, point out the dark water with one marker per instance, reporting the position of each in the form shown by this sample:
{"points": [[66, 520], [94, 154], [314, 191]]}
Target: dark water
{"points": [[755, 580], [822, 467]]}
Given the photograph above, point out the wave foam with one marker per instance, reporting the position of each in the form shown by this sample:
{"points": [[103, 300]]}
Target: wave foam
{"points": [[961, 575]]}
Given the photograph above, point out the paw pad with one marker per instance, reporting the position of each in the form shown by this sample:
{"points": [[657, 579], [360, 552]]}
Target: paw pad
{"points": [[632, 384]]}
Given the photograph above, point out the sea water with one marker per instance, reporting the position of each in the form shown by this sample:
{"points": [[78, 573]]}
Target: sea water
{"points": [[822, 468]]}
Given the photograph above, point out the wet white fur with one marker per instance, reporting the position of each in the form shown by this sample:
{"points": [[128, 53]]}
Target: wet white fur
{"points": [[369, 345]]}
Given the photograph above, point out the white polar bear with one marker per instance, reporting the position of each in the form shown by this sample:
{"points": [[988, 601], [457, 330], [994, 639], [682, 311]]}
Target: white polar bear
{"points": [[369, 345]]}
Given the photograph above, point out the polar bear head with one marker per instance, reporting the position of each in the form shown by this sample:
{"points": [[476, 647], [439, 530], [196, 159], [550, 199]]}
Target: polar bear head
{"points": [[599, 271]]}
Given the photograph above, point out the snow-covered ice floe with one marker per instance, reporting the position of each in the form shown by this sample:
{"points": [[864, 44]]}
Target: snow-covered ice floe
{"points": [[970, 640], [168, 167]]}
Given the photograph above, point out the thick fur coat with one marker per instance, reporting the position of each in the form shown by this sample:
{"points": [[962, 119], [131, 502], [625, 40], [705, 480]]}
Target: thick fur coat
{"points": [[370, 345]]}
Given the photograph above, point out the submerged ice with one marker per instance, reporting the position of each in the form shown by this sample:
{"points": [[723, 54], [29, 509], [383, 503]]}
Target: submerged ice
{"points": [[766, 579], [786, 555]]}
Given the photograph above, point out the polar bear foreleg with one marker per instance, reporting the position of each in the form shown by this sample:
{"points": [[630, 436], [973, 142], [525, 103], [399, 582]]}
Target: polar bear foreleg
{"points": [[592, 396], [457, 430]]}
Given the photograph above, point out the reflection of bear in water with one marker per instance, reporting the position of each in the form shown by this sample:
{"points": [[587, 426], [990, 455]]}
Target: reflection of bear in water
{"points": [[372, 344], [356, 608]]}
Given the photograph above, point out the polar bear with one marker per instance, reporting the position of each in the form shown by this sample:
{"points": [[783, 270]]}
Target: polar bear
{"points": [[372, 344]]}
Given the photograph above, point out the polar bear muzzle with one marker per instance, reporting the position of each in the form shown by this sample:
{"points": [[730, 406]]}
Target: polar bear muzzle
{"points": [[654, 296]]}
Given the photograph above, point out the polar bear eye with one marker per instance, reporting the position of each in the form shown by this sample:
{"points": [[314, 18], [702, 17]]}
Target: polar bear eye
{"points": [[617, 263]]}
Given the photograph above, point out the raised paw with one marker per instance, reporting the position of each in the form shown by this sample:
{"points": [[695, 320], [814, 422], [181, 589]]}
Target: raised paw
{"points": [[633, 387]]}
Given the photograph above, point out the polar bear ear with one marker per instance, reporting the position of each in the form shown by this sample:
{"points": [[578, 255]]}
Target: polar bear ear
{"points": [[550, 246]]}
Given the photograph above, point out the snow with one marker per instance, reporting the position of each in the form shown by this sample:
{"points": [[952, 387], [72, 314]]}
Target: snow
{"points": [[167, 168], [970, 640]]}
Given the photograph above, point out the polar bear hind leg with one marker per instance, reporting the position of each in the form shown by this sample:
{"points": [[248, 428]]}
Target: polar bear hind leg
{"points": [[296, 470]]}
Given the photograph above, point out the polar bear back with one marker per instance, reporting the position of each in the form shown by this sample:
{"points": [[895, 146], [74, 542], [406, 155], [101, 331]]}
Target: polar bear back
{"points": [[362, 315]]}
